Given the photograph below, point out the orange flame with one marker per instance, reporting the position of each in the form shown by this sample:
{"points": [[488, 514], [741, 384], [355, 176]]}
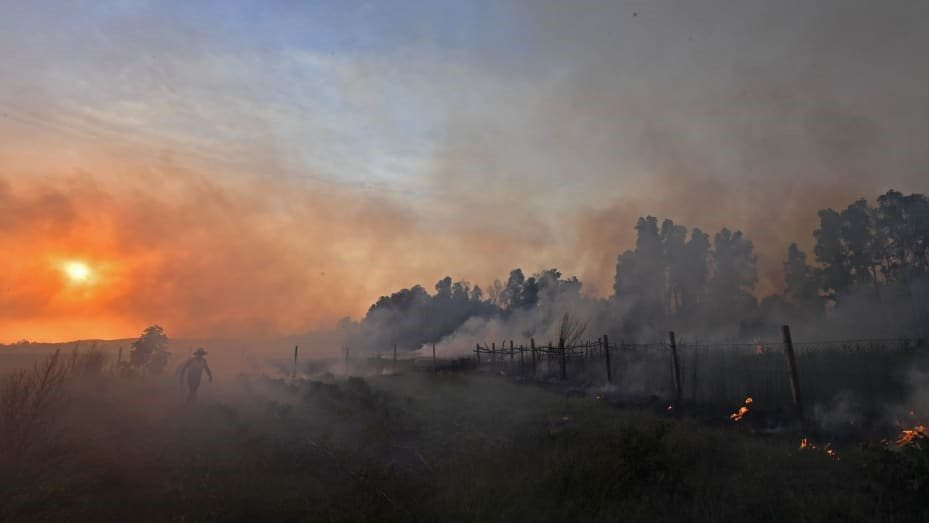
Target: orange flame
{"points": [[912, 436], [806, 444], [743, 410]]}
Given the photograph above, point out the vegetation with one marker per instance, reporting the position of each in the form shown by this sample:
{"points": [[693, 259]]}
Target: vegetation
{"points": [[869, 278], [149, 352], [449, 447]]}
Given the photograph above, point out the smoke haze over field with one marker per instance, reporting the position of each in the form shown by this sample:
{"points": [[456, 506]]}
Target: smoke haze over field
{"points": [[261, 170]]}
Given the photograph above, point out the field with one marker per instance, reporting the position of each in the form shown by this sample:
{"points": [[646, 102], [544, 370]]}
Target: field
{"points": [[416, 446]]}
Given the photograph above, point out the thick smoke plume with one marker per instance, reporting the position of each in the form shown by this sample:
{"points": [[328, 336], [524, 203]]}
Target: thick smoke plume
{"points": [[867, 278]]}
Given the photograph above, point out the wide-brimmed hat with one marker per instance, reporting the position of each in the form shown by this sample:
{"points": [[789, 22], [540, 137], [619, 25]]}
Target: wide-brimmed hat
{"points": [[200, 352]]}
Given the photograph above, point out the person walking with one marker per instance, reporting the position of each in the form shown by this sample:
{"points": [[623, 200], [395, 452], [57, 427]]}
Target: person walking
{"points": [[194, 368]]}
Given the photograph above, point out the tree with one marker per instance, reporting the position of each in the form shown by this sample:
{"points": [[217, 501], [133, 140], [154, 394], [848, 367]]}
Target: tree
{"points": [[836, 277], [848, 248], [903, 226], [150, 350], [512, 294], [641, 278], [673, 240], [734, 277], [693, 272], [802, 284]]}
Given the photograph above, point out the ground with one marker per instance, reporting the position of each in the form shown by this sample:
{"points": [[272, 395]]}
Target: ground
{"points": [[421, 447]]}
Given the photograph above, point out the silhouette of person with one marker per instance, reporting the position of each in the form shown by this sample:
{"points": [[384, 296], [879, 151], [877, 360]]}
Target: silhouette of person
{"points": [[194, 368]]}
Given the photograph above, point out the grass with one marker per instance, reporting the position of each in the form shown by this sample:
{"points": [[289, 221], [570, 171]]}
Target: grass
{"points": [[418, 447]]}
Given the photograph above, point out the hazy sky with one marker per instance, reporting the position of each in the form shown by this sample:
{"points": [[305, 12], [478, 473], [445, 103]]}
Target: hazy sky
{"points": [[256, 168]]}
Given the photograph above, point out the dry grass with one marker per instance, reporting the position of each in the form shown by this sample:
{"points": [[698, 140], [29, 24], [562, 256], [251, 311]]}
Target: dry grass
{"points": [[30, 398], [27, 399]]}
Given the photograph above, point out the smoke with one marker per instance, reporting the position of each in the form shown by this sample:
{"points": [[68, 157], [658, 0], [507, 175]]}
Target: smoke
{"points": [[263, 188], [251, 258]]}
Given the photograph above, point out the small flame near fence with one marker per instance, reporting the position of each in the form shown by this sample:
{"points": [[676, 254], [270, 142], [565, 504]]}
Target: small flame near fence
{"points": [[743, 410]]}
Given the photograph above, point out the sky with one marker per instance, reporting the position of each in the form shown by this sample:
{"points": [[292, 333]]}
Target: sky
{"points": [[265, 168]]}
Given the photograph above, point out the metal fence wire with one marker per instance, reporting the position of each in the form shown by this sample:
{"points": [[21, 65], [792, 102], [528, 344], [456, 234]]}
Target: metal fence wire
{"points": [[720, 373]]}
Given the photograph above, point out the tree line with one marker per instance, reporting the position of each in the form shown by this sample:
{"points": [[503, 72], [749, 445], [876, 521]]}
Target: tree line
{"points": [[869, 275]]}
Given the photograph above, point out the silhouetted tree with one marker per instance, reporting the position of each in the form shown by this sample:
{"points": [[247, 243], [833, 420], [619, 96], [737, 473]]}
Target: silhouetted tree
{"points": [[150, 350], [802, 284], [734, 276]]}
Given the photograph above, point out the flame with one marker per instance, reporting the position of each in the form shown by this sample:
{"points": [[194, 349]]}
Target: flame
{"points": [[743, 410], [912, 436], [670, 407], [806, 444]]}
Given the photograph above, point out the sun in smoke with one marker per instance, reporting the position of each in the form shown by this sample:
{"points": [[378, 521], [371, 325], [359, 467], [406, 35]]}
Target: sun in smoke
{"points": [[77, 271]]}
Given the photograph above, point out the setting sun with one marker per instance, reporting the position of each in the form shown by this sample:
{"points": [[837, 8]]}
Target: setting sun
{"points": [[77, 272]]}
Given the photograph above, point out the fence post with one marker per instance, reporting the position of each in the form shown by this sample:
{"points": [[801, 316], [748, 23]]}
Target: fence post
{"points": [[435, 364], [477, 350], [676, 369], [522, 362], [511, 355], [119, 357], [493, 352], [346, 359], [792, 368], [532, 354], [295, 361], [564, 359], [606, 352]]}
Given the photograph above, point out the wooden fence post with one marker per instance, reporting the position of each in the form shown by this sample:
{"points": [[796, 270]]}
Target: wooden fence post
{"points": [[522, 362], [119, 357], [606, 352], [676, 369], [532, 354], [564, 359], [477, 351], [493, 352], [435, 364], [295, 361], [792, 368], [511, 355]]}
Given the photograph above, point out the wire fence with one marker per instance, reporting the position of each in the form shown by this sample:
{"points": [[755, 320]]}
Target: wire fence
{"points": [[868, 371]]}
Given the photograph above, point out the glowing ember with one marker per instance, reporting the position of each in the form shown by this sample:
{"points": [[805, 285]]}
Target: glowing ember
{"points": [[743, 410]]}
